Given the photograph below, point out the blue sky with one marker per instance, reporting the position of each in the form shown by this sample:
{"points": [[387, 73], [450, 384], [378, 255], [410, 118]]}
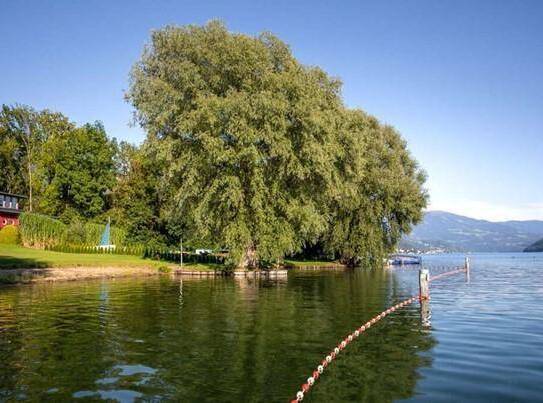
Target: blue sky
{"points": [[461, 80]]}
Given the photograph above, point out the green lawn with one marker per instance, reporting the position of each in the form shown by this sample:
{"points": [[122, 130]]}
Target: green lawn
{"points": [[15, 257], [18, 257]]}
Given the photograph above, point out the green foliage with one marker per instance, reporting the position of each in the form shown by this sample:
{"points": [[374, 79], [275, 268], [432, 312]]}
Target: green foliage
{"points": [[93, 234], [11, 179], [246, 134], [134, 250], [76, 233], [77, 172], [247, 149], [164, 269], [44, 232], [23, 132], [382, 193], [66, 171], [40, 231], [258, 153], [9, 235], [136, 199]]}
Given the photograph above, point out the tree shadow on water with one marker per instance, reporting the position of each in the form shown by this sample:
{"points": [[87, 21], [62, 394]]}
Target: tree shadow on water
{"points": [[12, 262], [15, 269]]}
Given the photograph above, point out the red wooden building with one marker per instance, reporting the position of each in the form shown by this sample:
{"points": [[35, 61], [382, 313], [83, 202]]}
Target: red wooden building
{"points": [[10, 208]]}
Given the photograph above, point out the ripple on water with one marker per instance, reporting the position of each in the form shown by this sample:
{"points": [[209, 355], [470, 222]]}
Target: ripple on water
{"points": [[127, 370], [107, 381], [118, 395]]}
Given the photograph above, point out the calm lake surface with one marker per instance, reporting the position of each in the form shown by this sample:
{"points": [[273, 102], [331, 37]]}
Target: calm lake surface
{"points": [[232, 340]]}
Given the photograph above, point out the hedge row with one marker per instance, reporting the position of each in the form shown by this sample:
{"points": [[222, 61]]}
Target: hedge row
{"points": [[40, 231], [93, 234], [142, 251], [136, 250], [173, 256]]}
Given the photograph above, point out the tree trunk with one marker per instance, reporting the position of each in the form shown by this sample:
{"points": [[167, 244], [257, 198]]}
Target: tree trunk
{"points": [[350, 261], [28, 144], [29, 186], [249, 258]]}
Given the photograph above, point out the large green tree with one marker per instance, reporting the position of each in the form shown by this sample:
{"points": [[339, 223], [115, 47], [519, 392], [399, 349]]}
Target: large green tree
{"points": [[137, 201], [23, 132], [258, 153], [76, 172], [382, 193], [248, 136]]}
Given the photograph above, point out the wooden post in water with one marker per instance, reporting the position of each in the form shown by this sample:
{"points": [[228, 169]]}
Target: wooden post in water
{"points": [[466, 266], [425, 313], [181, 254], [424, 284]]}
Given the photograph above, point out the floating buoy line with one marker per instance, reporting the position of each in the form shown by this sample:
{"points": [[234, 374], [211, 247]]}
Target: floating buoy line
{"points": [[317, 373]]}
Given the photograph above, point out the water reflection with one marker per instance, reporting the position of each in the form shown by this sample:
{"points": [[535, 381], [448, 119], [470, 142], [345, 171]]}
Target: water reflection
{"points": [[242, 339]]}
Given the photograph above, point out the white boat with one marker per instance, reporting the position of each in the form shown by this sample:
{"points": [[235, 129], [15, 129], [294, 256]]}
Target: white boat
{"points": [[398, 259]]}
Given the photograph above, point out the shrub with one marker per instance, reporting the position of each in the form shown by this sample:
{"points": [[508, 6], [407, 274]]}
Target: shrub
{"points": [[135, 250], [164, 269], [76, 232], [94, 233], [9, 235], [40, 231]]}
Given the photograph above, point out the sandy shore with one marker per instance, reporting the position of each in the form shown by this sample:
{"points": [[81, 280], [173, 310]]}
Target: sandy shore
{"points": [[71, 273], [14, 276]]}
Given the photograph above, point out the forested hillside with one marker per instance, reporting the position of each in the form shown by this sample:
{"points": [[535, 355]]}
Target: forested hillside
{"points": [[535, 247], [453, 232]]}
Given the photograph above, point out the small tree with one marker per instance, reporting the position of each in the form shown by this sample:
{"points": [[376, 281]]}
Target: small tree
{"points": [[382, 195], [23, 132], [137, 201]]}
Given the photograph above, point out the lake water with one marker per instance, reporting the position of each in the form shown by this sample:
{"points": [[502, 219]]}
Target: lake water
{"points": [[209, 340]]}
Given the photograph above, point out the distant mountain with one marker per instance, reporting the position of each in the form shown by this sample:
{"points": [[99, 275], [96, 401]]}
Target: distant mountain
{"points": [[532, 226], [535, 247], [453, 232]]}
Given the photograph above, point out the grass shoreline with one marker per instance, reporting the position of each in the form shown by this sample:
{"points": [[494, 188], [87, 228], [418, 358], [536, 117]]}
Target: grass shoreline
{"points": [[21, 265]]}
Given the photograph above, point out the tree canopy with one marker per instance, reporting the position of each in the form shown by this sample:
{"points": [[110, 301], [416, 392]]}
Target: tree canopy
{"points": [[76, 172], [137, 202], [68, 169], [23, 131], [260, 153], [247, 149]]}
